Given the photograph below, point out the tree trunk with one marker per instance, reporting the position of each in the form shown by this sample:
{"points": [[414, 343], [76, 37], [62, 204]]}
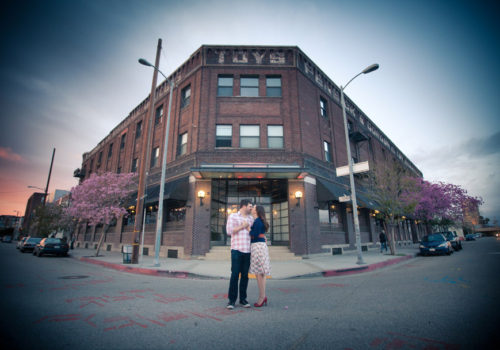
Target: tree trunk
{"points": [[104, 229], [392, 243]]}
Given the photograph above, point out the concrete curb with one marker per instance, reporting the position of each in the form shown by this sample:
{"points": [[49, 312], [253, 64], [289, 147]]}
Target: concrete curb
{"points": [[185, 274], [145, 271], [366, 268]]}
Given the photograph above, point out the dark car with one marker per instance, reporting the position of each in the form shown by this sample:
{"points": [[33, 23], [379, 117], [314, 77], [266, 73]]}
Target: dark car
{"points": [[470, 237], [435, 243], [54, 246], [29, 244], [452, 237]]}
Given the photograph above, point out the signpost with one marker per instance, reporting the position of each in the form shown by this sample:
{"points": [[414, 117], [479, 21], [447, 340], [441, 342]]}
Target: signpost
{"points": [[356, 168]]}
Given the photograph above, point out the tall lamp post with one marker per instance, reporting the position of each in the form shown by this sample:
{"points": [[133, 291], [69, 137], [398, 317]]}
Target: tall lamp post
{"points": [[144, 166], [367, 70], [159, 218]]}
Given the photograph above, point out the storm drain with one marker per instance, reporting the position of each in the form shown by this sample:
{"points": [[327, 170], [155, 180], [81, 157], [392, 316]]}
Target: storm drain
{"points": [[75, 277]]}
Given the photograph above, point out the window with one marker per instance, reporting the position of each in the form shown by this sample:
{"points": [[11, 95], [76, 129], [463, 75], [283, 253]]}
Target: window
{"points": [[249, 86], [323, 107], [249, 136], [138, 130], [110, 150], [275, 136], [182, 144], [350, 127], [223, 136], [119, 170], [225, 85], [185, 96], [158, 115], [99, 160], [155, 156], [122, 142], [328, 154], [273, 86], [133, 169]]}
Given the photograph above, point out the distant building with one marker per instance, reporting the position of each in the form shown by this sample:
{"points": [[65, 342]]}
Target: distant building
{"points": [[248, 122], [54, 196], [9, 221], [35, 200]]}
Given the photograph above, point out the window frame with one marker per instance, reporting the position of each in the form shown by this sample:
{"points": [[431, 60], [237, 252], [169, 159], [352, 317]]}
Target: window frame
{"points": [[223, 138], [249, 87], [138, 129], [327, 151], [134, 165], [182, 146], [155, 156], [158, 119], [228, 88], [274, 88], [323, 106], [123, 141], [249, 137], [269, 138], [185, 100]]}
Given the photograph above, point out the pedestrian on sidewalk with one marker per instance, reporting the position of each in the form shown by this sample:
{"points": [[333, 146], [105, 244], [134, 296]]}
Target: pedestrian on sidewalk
{"points": [[238, 227], [383, 241], [259, 258]]}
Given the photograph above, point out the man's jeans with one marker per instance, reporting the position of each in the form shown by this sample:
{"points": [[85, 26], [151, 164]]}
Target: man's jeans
{"points": [[383, 246], [240, 263]]}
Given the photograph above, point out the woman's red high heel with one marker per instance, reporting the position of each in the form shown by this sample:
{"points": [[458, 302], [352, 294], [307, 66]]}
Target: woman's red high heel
{"points": [[264, 302]]}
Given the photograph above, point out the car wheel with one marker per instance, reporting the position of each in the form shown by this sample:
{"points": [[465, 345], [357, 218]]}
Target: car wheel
{"points": [[39, 254], [21, 250], [34, 252]]}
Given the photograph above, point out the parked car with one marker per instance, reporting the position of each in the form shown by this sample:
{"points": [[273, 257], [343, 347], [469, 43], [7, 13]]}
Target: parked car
{"points": [[29, 244], [477, 235], [21, 242], [51, 246], [435, 243], [470, 237], [452, 237], [7, 239]]}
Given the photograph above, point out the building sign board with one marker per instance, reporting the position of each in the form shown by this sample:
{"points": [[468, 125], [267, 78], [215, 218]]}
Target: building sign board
{"points": [[356, 168]]}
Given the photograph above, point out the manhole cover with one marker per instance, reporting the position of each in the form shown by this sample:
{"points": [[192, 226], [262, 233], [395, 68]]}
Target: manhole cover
{"points": [[77, 277]]}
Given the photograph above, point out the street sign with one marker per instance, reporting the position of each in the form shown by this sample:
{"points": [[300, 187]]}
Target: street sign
{"points": [[344, 199], [356, 168]]}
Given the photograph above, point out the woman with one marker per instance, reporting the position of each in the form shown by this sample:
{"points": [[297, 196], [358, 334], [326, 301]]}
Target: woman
{"points": [[259, 259]]}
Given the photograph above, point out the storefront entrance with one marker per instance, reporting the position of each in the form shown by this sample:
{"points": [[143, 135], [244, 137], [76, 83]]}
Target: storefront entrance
{"points": [[271, 194]]}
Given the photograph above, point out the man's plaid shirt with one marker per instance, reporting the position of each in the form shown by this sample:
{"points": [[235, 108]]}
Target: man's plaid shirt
{"points": [[239, 240]]}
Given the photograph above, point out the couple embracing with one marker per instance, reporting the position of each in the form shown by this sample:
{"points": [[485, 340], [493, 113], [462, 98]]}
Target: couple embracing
{"points": [[249, 251]]}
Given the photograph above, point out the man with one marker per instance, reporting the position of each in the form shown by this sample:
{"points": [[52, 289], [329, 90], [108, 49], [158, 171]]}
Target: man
{"points": [[238, 227], [383, 241]]}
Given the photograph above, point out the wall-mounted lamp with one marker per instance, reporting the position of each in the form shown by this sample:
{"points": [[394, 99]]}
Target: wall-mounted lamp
{"points": [[201, 195], [298, 196]]}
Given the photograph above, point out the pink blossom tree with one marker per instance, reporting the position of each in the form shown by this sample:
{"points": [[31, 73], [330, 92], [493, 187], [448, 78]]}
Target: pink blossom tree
{"points": [[441, 204], [100, 199]]}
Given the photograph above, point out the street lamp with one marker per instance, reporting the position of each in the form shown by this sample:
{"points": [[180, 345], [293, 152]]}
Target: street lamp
{"points": [[159, 217], [41, 189], [354, 201]]}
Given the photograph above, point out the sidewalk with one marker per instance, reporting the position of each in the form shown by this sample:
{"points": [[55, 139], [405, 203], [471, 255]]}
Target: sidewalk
{"points": [[315, 266]]}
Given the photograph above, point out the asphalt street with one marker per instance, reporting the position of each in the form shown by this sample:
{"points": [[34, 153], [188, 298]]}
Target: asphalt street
{"points": [[439, 302]]}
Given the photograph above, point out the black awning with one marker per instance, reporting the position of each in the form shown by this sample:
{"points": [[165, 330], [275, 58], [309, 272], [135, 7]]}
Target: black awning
{"points": [[365, 201], [329, 190], [175, 189]]}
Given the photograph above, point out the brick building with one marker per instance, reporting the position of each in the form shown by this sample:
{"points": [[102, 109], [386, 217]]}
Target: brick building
{"points": [[263, 123]]}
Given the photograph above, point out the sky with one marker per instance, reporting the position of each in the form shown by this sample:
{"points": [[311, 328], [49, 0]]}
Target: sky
{"points": [[69, 74]]}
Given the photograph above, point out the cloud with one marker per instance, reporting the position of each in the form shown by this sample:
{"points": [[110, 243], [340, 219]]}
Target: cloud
{"points": [[9, 155], [483, 146]]}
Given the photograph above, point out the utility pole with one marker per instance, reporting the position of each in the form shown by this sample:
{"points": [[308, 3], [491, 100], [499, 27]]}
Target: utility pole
{"points": [[144, 163], [48, 179]]}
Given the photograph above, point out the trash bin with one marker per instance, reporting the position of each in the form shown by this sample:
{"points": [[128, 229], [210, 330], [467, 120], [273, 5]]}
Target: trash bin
{"points": [[127, 253]]}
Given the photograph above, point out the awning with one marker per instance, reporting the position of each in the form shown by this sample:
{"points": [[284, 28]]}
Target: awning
{"points": [[175, 189], [365, 201], [329, 190], [249, 171]]}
